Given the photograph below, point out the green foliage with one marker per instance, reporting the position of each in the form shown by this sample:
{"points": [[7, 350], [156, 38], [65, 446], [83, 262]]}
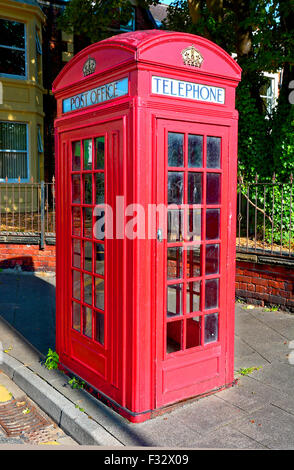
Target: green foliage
{"points": [[97, 19], [79, 408], [254, 131], [52, 360], [76, 383], [259, 33], [93, 19], [247, 370], [266, 138]]}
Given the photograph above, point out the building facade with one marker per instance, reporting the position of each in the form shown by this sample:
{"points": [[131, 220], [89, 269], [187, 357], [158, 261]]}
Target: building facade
{"points": [[21, 107]]}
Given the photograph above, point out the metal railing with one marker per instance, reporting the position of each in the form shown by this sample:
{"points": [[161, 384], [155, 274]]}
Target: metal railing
{"points": [[27, 208], [265, 219]]}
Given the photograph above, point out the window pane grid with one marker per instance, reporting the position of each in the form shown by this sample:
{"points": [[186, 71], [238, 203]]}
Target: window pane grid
{"points": [[204, 176], [12, 48], [87, 252]]}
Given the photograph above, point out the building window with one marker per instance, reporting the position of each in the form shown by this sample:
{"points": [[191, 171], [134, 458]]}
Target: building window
{"points": [[129, 25], [269, 92], [13, 151], [12, 48]]}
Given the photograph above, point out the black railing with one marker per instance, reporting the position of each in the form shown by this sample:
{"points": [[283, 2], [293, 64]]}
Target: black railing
{"points": [[265, 219], [27, 209]]}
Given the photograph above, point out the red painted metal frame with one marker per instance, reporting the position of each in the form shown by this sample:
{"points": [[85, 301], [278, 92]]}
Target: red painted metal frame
{"points": [[135, 125]]}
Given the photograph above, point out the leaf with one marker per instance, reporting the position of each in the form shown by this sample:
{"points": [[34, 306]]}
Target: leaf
{"points": [[248, 370]]}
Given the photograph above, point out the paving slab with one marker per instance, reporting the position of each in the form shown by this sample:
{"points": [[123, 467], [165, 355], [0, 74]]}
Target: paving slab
{"points": [[269, 426], [257, 413], [278, 375], [229, 439]]}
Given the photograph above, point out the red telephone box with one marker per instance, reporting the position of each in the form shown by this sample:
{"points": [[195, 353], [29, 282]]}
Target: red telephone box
{"points": [[146, 144]]}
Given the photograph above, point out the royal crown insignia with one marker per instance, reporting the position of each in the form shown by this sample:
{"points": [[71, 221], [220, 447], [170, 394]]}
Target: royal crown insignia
{"points": [[192, 57], [89, 66]]}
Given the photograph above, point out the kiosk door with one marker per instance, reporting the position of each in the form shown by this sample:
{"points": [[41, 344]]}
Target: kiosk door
{"points": [[93, 324], [191, 292]]}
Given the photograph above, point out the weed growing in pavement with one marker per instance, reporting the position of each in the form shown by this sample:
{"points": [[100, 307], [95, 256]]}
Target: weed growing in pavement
{"points": [[271, 309], [52, 360], [76, 383], [247, 370]]}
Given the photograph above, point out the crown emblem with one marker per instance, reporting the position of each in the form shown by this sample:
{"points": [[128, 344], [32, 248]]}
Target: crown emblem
{"points": [[192, 57], [89, 66]]}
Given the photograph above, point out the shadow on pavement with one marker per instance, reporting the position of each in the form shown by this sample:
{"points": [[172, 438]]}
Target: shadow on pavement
{"points": [[28, 304]]}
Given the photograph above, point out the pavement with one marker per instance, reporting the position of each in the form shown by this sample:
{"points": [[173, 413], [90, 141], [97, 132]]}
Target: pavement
{"points": [[256, 413]]}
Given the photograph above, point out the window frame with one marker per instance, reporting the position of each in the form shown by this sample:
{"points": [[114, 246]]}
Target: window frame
{"points": [[13, 48], [16, 180], [132, 22], [39, 54], [270, 100]]}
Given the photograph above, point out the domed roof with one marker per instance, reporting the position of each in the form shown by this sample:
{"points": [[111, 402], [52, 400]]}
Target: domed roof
{"points": [[157, 47]]}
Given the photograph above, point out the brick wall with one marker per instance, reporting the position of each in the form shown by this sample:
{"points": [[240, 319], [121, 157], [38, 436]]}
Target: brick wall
{"points": [[260, 280], [265, 280], [27, 257]]}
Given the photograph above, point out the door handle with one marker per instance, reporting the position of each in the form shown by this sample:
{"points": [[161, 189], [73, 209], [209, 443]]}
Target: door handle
{"points": [[159, 235]]}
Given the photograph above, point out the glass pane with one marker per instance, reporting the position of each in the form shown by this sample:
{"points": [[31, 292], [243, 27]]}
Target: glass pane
{"points": [[76, 316], [174, 331], [87, 321], [174, 262], [87, 189], [76, 253], [76, 156], [194, 188], [88, 154], [99, 188], [211, 293], [194, 225], [12, 33], [211, 328], [175, 149], [99, 224], [212, 223], [193, 332], [99, 331], [13, 136], [76, 221], [87, 213], [87, 289], [174, 300], [99, 296], [213, 191], [193, 261], [193, 297], [195, 151], [213, 152], [212, 259], [76, 285], [13, 165], [174, 225], [99, 153], [175, 188], [12, 62], [99, 258], [88, 256], [76, 189]]}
